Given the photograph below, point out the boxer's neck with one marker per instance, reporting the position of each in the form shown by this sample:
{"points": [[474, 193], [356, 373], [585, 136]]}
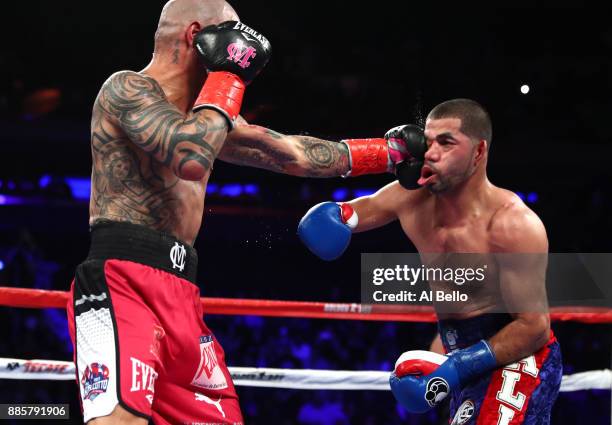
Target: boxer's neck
{"points": [[180, 78], [469, 199]]}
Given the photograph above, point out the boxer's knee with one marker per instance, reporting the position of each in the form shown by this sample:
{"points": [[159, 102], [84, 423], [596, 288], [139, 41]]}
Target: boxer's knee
{"points": [[119, 416]]}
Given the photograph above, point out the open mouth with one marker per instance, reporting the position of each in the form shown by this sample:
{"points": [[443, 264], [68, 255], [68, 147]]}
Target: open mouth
{"points": [[427, 175]]}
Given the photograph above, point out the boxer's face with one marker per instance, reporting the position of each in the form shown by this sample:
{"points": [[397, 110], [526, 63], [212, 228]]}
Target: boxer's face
{"points": [[449, 157]]}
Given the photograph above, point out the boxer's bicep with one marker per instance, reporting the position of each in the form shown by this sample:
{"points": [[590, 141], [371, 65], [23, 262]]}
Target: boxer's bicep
{"points": [[377, 209], [522, 259], [520, 241], [188, 144]]}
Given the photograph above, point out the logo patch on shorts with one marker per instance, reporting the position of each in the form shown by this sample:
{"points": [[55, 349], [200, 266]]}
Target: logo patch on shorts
{"points": [[177, 256], [94, 380], [209, 374], [464, 413], [206, 399], [437, 390]]}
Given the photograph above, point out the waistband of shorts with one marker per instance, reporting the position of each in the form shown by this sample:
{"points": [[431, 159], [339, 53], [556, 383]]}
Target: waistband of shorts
{"points": [[458, 334], [133, 242]]}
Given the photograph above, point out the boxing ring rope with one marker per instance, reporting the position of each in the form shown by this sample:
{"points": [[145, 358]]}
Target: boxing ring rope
{"points": [[39, 298], [297, 379], [306, 379]]}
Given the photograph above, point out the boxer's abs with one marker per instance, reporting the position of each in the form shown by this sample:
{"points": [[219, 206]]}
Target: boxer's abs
{"points": [[129, 185]]}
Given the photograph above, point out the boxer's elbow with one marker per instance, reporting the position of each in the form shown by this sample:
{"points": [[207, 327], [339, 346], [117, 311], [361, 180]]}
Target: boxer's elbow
{"points": [[539, 330], [192, 166]]}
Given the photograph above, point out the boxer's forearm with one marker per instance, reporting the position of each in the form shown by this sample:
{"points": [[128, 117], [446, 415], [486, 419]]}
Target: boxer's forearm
{"points": [[521, 338], [303, 156]]}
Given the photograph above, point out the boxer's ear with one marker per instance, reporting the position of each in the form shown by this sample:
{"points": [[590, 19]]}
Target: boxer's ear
{"points": [[481, 150], [191, 32]]}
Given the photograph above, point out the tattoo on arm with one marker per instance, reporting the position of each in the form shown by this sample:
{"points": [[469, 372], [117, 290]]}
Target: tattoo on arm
{"points": [[141, 109], [297, 155], [324, 155], [258, 153]]}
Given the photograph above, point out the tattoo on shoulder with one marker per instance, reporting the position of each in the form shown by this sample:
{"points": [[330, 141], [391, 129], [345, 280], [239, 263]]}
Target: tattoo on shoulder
{"points": [[141, 108], [126, 92]]}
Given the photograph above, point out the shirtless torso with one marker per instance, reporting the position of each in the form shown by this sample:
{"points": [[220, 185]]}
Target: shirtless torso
{"points": [[140, 138]]}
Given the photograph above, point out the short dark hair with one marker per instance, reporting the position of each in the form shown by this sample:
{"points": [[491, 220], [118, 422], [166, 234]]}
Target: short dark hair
{"points": [[475, 120]]}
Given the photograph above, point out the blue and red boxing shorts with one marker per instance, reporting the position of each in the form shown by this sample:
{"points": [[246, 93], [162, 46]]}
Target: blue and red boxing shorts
{"points": [[136, 323], [520, 393]]}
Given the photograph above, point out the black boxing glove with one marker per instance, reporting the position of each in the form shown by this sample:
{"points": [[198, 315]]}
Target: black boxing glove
{"points": [[408, 174], [234, 54], [408, 170]]}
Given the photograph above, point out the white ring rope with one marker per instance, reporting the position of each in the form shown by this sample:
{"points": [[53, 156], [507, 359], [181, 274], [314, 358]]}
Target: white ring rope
{"points": [[303, 379]]}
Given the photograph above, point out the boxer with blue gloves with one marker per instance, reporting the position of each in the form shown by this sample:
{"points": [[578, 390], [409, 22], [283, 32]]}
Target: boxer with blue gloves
{"points": [[503, 363]]}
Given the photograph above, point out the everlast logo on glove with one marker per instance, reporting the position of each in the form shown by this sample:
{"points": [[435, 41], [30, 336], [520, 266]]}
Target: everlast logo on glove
{"points": [[263, 40]]}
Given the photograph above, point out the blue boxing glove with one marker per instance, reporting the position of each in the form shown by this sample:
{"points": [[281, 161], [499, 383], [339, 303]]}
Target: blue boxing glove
{"points": [[326, 229], [423, 379]]}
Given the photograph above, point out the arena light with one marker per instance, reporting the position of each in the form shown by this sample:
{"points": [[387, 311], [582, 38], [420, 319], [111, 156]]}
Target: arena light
{"points": [[12, 200], [363, 192], [340, 194], [532, 197], [80, 187], [251, 189], [525, 89], [44, 181], [232, 190]]}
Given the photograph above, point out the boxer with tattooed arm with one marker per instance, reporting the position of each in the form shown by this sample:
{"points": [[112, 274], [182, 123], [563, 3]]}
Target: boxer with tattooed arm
{"points": [[142, 350]]}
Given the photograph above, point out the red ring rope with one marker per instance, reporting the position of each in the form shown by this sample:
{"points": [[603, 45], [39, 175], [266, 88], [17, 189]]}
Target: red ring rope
{"points": [[38, 298]]}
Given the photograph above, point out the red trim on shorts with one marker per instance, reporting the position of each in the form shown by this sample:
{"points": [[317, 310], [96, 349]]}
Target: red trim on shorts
{"points": [[489, 409]]}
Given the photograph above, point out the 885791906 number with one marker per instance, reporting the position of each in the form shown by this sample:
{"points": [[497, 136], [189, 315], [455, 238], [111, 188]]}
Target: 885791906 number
{"points": [[34, 411]]}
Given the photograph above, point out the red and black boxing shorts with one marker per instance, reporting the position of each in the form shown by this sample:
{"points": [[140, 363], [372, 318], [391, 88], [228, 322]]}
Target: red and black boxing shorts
{"points": [[135, 320]]}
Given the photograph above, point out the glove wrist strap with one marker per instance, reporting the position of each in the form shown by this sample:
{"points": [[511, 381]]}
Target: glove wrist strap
{"points": [[368, 156], [474, 361], [222, 92]]}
